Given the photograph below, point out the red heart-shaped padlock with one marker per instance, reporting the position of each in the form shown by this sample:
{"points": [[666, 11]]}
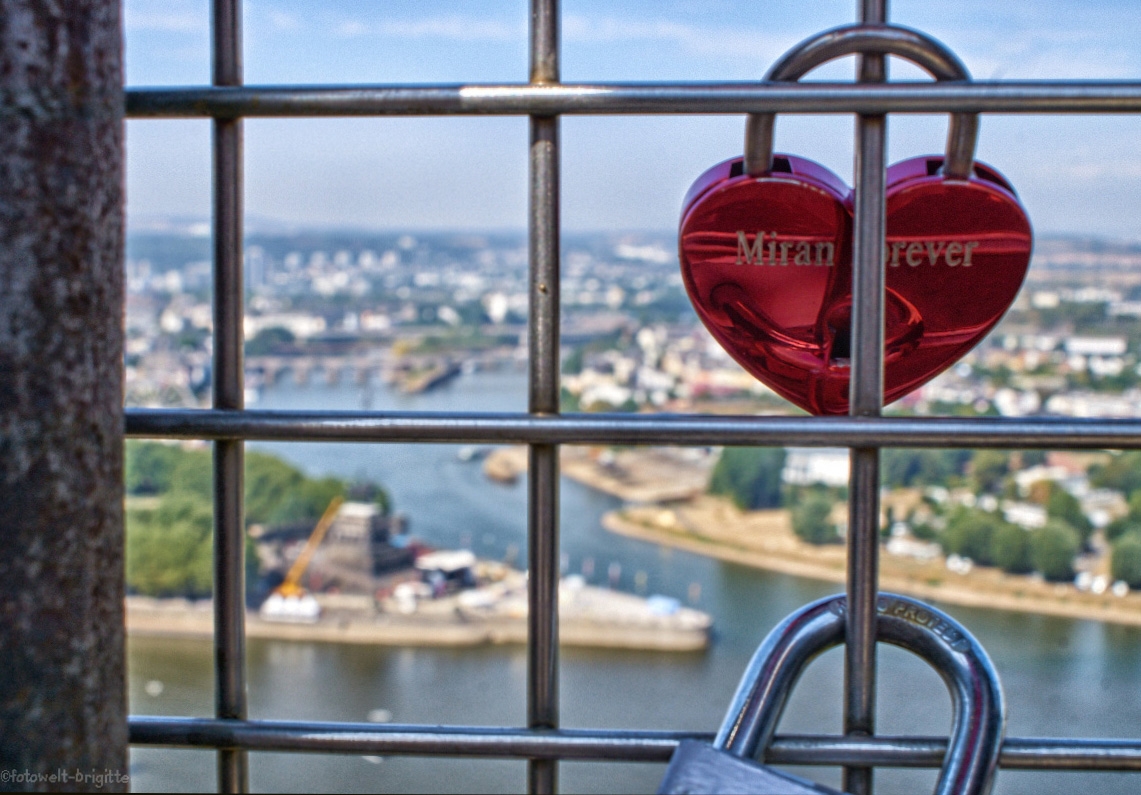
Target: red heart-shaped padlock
{"points": [[767, 264], [765, 248]]}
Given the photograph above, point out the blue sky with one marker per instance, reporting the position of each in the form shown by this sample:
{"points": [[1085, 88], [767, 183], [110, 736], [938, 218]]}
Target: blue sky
{"points": [[1075, 174]]}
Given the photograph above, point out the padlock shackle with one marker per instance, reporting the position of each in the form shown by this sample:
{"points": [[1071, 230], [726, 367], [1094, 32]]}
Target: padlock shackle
{"points": [[976, 695], [919, 48]]}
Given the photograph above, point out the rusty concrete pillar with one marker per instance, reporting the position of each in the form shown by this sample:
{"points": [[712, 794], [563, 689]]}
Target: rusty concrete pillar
{"points": [[62, 656]]}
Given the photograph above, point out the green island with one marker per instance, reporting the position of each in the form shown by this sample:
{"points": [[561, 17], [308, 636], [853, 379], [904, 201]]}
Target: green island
{"points": [[169, 511]]}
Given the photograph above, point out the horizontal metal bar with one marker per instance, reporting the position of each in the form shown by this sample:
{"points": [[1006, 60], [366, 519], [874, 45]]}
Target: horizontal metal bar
{"points": [[1018, 753], [634, 98], [655, 429], [608, 744], [370, 738]]}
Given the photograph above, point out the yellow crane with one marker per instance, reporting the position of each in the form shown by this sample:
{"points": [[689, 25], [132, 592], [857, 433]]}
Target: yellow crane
{"points": [[291, 586]]}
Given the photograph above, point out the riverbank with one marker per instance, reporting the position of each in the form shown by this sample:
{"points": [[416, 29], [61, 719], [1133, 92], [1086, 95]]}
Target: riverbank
{"points": [[588, 617], [713, 527], [669, 506], [639, 475]]}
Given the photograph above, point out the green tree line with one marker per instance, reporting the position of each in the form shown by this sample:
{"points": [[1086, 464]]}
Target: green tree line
{"points": [[1123, 473], [751, 478], [170, 535]]}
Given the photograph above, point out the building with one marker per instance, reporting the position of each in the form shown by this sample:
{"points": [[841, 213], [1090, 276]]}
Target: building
{"points": [[806, 466], [362, 538]]}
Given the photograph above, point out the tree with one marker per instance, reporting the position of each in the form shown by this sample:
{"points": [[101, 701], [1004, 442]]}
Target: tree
{"points": [[969, 533], [1128, 523], [1052, 550], [153, 468], [170, 550], [572, 364], [1122, 473], [810, 520], [1121, 527], [273, 490], [276, 492], [1125, 563], [193, 474], [568, 402], [1065, 506], [270, 340], [1010, 549], [922, 467], [364, 491], [148, 466], [988, 468], [925, 530], [751, 476], [279, 493]]}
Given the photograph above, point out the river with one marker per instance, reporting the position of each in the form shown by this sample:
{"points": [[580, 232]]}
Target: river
{"points": [[1061, 677]]}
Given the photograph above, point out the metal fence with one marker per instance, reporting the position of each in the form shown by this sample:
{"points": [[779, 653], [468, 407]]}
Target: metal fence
{"points": [[544, 99]]}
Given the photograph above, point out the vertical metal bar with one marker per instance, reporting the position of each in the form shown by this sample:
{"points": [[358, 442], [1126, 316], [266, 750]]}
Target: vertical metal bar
{"points": [[543, 480], [866, 400], [229, 464], [63, 701]]}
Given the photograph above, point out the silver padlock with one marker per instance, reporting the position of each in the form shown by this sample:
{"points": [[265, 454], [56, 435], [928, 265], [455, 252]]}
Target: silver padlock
{"points": [[977, 729]]}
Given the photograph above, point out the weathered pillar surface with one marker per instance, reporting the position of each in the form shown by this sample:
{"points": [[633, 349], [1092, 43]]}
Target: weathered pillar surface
{"points": [[62, 658]]}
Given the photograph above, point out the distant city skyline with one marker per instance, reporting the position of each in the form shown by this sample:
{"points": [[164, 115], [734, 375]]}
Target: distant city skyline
{"points": [[1076, 174]]}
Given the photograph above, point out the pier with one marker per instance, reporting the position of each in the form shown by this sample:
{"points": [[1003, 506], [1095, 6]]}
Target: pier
{"points": [[590, 617]]}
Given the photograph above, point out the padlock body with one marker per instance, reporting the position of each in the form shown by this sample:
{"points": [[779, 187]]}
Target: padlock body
{"points": [[699, 768], [978, 706], [767, 263]]}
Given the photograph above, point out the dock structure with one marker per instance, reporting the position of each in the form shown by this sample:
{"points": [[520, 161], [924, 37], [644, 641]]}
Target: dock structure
{"points": [[493, 613], [435, 374]]}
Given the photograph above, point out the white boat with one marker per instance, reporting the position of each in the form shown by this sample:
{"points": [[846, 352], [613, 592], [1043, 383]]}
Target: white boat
{"points": [[301, 609]]}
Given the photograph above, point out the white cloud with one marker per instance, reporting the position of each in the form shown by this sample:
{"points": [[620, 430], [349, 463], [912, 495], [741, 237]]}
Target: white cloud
{"points": [[352, 28], [165, 17], [283, 21], [1099, 171], [1045, 54], [693, 39], [1059, 39], [451, 27], [166, 23], [579, 29]]}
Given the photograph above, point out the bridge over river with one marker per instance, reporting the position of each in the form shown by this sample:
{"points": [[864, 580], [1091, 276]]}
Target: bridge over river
{"points": [[363, 367]]}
